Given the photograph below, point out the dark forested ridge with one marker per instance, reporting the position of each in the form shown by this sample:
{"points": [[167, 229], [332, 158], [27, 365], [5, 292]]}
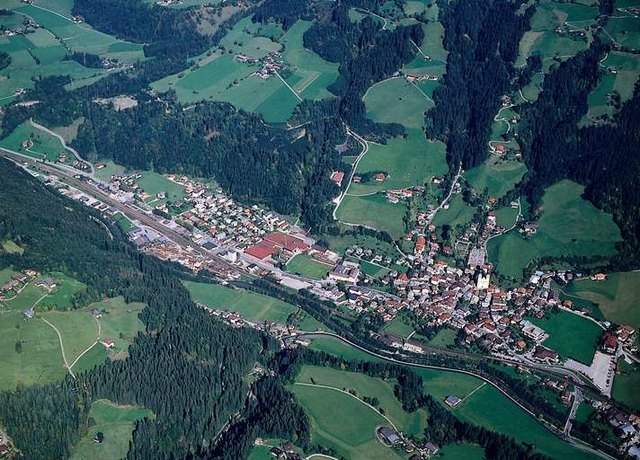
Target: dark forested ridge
{"points": [[189, 369], [482, 39]]}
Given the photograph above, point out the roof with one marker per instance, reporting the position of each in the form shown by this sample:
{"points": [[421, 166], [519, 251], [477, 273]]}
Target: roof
{"points": [[288, 242], [261, 250]]}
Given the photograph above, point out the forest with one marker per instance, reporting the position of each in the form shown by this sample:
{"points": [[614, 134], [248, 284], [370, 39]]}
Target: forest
{"points": [[187, 368]]}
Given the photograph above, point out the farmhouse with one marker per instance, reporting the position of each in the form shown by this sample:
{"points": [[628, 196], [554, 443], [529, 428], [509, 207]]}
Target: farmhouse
{"points": [[337, 177], [389, 435], [108, 343], [452, 401]]}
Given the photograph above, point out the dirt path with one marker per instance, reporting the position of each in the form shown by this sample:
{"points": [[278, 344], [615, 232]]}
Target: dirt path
{"points": [[64, 356]]}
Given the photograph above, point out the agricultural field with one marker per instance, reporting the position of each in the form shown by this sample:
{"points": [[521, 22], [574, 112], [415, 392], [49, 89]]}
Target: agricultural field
{"points": [[110, 169], [570, 335], [37, 357], [154, 183], [252, 306], [400, 326], [11, 247], [626, 384], [62, 296], [407, 162], [219, 76], [617, 296], [308, 267], [624, 29], [373, 211], [543, 39], [26, 298], [462, 452], [458, 213], [116, 423], [443, 338], [43, 52], [568, 226], [396, 100], [341, 421], [69, 133], [44, 145], [622, 82], [486, 407], [495, 176], [506, 217], [364, 385]]}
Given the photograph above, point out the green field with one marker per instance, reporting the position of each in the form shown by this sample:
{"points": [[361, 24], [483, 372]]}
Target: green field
{"points": [[506, 217], [44, 145], [62, 296], [252, 306], [400, 326], [117, 423], [410, 423], [220, 77], [462, 452], [11, 247], [487, 407], [618, 297], [27, 297], [111, 169], [408, 162], [124, 223], [41, 53], [39, 360], [344, 423], [496, 177], [626, 384], [154, 183], [570, 335], [443, 338], [459, 213], [307, 266], [5, 275], [625, 30], [373, 211], [569, 226], [396, 100]]}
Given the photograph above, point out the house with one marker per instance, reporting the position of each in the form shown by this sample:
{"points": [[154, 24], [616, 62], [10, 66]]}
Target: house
{"points": [[609, 343], [108, 343], [389, 435], [532, 331], [598, 277], [431, 448], [379, 177], [545, 354], [96, 313], [28, 314], [347, 272], [337, 177], [452, 401]]}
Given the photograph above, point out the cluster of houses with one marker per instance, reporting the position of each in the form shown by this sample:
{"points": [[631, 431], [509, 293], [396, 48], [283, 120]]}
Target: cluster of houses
{"points": [[6, 447], [17, 282], [29, 25], [392, 438], [272, 63]]}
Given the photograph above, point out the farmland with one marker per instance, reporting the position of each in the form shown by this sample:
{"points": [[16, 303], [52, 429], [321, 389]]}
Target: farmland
{"points": [[458, 213], [116, 423], [44, 145], [617, 296], [625, 385], [307, 266], [396, 100], [373, 211], [340, 421], [486, 407], [252, 306], [154, 183], [570, 335], [44, 51], [363, 385], [408, 162], [219, 76], [568, 226], [496, 177], [400, 326]]}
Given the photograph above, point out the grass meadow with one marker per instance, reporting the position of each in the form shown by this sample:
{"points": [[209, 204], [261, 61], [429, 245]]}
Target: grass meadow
{"points": [[117, 423], [308, 267], [568, 226]]}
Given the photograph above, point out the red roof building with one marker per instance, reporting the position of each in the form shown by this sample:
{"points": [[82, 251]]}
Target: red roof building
{"points": [[261, 250], [288, 242], [337, 177]]}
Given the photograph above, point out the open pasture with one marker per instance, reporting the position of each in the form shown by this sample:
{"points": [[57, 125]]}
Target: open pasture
{"points": [[308, 267], [407, 162], [116, 423], [44, 145], [364, 385], [340, 421], [495, 176], [154, 183], [396, 100], [458, 213], [570, 335], [373, 211], [252, 306], [569, 225], [618, 297]]}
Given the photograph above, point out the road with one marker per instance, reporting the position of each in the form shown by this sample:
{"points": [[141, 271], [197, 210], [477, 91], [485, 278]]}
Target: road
{"points": [[577, 400], [365, 149], [515, 223], [446, 198], [64, 144]]}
